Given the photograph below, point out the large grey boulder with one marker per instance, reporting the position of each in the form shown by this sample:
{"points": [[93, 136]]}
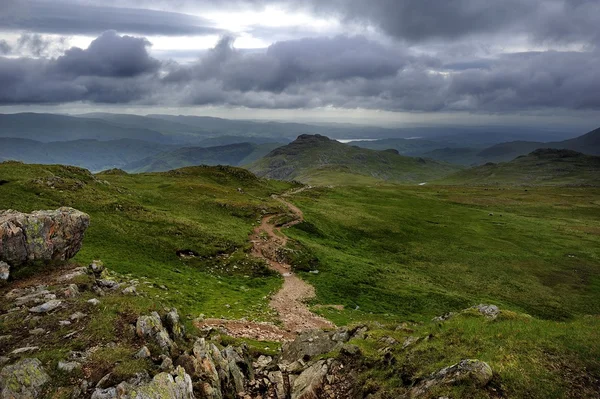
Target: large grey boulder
{"points": [[41, 235], [23, 380], [469, 371], [311, 343], [308, 385]]}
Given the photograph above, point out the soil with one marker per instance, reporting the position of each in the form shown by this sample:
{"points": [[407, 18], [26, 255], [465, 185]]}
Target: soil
{"points": [[290, 300]]}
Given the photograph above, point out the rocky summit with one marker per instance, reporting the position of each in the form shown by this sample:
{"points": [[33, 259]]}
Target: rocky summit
{"points": [[40, 236]]}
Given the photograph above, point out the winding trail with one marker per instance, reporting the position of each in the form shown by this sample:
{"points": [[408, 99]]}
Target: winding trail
{"points": [[290, 300]]}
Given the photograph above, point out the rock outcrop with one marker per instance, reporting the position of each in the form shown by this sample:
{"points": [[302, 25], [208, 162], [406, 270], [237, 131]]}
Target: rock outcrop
{"points": [[23, 380], [41, 235], [469, 371]]}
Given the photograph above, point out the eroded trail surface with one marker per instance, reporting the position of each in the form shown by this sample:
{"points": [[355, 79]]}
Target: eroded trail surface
{"points": [[290, 300]]}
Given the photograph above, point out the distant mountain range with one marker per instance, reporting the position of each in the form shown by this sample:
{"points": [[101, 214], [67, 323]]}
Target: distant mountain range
{"points": [[318, 159], [544, 166]]}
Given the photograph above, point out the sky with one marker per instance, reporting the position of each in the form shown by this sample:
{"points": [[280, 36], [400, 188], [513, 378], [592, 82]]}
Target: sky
{"points": [[374, 61]]}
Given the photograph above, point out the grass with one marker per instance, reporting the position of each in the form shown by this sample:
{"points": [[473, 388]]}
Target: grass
{"points": [[138, 222], [410, 253]]}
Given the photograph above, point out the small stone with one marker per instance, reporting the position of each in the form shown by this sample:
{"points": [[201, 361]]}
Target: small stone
{"points": [[68, 366], [93, 301], [46, 307], [96, 267], [167, 363], [37, 331], [143, 353], [71, 291], [110, 284], [77, 316], [4, 271], [64, 323], [129, 291], [25, 350]]}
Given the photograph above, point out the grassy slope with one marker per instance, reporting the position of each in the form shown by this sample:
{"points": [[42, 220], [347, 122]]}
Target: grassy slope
{"points": [[400, 253], [541, 167], [317, 159], [139, 221]]}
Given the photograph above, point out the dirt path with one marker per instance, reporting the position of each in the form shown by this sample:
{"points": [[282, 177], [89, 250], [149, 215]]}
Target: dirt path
{"points": [[290, 300]]}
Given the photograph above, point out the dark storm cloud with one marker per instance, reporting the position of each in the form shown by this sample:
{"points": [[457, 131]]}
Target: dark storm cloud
{"points": [[109, 55], [112, 69], [345, 72], [71, 18], [294, 62]]}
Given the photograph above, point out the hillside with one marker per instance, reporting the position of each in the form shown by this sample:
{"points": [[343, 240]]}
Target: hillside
{"points": [[233, 154], [94, 155], [53, 127], [540, 167], [316, 158]]}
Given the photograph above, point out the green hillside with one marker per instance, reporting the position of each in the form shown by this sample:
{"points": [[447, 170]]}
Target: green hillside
{"points": [[318, 159], [233, 154], [540, 167]]}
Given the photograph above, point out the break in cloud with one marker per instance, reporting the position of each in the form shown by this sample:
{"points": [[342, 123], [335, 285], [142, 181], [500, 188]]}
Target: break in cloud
{"points": [[462, 55]]}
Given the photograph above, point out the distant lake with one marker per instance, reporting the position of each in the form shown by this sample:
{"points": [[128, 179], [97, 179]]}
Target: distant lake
{"points": [[349, 140]]}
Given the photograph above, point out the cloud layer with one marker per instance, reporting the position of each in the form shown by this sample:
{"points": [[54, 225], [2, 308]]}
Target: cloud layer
{"points": [[343, 71]]}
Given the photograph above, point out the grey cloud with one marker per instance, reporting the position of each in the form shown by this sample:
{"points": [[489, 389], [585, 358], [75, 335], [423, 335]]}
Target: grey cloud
{"points": [[72, 18], [346, 72], [5, 48], [109, 55]]}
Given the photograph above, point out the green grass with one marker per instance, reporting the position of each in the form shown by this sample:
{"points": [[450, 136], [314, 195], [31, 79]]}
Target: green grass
{"points": [[138, 222], [410, 253]]}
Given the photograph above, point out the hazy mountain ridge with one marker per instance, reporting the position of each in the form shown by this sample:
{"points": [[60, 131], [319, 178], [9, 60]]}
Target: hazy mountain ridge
{"points": [[233, 154], [315, 155], [545, 166]]}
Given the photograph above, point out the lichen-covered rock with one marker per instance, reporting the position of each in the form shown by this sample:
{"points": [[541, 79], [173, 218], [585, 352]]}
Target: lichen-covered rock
{"points": [[46, 307], [313, 343], [469, 371], [489, 311], [151, 328], [41, 235], [171, 321], [23, 380], [164, 385], [309, 383]]}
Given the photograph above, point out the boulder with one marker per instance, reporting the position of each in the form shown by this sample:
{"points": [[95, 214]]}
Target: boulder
{"points": [[23, 380], [151, 328], [41, 235], [308, 385], [489, 311], [313, 343], [171, 321], [177, 385], [469, 371]]}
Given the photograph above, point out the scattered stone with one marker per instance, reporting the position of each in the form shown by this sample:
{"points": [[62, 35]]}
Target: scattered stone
{"points": [[25, 350], [4, 271], [96, 267], [68, 367], [77, 315], [71, 291], [37, 331], [41, 235], [46, 307], [80, 271], [40, 295], [94, 301], [23, 379], [143, 353], [350, 350], [489, 311], [110, 284], [443, 317], [469, 371], [64, 323], [129, 290], [4, 360], [166, 364], [409, 341]]}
